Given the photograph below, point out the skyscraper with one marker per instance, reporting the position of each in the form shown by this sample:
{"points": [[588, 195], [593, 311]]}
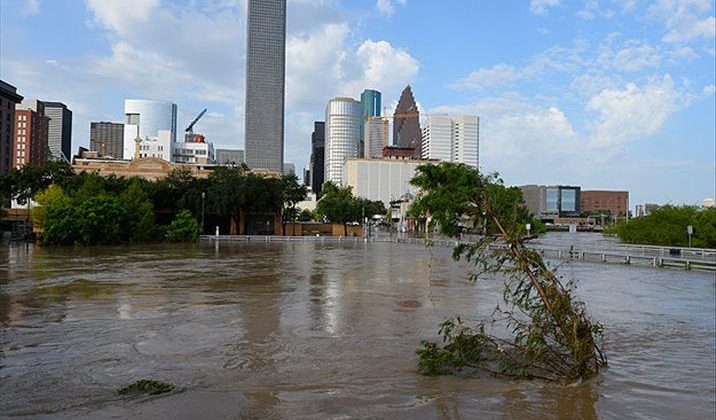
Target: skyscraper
{"points": [[452, 139], [59, 132], [146, 118], [8, 99], [31, 131], [370, 105], [265, 80], [107, 139], [375, 135], [466, 140], [318, 148], [406, 123], [343, 116]]}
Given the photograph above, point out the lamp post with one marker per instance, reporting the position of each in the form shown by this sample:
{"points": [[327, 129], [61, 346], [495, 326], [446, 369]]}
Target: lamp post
{"points": [[690, 231], [203, 196]]}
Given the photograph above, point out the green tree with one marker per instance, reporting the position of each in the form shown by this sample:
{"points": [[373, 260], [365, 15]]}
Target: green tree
{"points": [[306, 216], [293, 193], [667, 226], [184, 228], [549, 335], [100, 220], [23, 183], [140, 225], [50, 196], [339, 205]]}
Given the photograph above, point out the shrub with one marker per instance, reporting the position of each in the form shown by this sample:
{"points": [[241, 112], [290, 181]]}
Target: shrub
{"points": [[184, 228]]}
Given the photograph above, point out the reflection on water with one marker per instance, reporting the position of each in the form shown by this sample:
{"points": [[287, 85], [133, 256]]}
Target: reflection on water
{"points": [[274, 330]]}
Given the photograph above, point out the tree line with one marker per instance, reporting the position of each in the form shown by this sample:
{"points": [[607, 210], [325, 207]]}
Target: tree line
{"points": [[667, 226], [86, 208]]}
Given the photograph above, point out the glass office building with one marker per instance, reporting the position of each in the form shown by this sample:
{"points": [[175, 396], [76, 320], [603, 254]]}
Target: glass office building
{"points": [[342, 141], [151, 116]]}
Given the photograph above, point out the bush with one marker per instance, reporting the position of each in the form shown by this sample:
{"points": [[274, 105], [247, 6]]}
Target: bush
{"points": [[667, 226], [184, 228]]}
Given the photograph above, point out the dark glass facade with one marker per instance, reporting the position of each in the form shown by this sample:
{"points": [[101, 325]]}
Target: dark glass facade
{"points": [[318, 147], [370, 101], [107, 138]]}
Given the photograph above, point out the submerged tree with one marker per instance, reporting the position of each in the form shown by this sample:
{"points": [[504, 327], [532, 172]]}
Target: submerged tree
{"points": [[549, 334]]}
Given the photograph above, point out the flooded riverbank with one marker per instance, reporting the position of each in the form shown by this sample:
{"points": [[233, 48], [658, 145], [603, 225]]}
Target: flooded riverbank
{"points": [[304, 330]]}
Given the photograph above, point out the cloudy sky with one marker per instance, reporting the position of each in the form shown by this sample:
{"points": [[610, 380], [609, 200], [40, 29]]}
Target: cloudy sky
{"points": [[606, 94]]}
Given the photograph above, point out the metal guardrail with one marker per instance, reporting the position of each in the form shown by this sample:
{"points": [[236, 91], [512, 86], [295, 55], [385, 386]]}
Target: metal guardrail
{"points": [[656, 261]]}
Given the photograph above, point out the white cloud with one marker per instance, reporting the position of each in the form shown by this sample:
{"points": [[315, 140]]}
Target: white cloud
{"points": [[709, 90], [632, 113], [703, 28], [499, 75], [387, 7], [540, 7], [122, 15], [521, 140], [556, 58], [685, 20], [635, 58]]}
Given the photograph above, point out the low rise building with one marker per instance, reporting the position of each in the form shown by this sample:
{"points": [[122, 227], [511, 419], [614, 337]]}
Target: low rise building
{"points": [[614, 202], [550, 202], [383, 180], [160, 147], [194, 152]]}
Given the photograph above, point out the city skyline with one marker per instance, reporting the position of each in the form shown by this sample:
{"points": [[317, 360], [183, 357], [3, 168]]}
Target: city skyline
{"points": [[598, 94]]}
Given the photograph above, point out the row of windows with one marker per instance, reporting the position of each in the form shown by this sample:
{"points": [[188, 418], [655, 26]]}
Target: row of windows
{"points": [[20, 153], [21, 139], [20, 161], [22, 117]]}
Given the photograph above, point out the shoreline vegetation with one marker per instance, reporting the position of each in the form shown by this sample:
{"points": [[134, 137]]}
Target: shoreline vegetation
{"points": [[542, 331], [667, 226], [88, 209]]}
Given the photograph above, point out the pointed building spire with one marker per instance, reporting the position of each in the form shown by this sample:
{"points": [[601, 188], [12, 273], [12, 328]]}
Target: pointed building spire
{"points": [[406, 123]]}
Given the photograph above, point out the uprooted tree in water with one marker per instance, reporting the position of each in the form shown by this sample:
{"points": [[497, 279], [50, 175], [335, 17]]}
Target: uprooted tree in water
{"points": [[548, 333]]}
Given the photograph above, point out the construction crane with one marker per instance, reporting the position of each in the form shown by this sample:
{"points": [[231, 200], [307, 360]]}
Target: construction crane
{"points": [[190, 130]]}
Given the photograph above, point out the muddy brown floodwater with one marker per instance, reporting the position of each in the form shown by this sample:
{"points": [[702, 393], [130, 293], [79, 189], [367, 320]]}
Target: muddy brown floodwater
{"points": [[304, 330]]}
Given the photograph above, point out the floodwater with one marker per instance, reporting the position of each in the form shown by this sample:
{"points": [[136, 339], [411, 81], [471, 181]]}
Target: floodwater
{"points": [[304, 330]]}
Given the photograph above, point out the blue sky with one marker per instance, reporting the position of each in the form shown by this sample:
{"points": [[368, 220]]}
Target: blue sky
{"points": [[604, 94]]}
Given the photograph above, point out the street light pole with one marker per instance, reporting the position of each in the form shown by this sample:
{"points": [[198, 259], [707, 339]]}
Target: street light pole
{"points": [[203, 196]]}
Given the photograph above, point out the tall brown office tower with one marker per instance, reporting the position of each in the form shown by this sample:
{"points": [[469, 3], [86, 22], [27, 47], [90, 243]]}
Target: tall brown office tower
{"points": [[406, 124], [8, 99], [31, 134]]}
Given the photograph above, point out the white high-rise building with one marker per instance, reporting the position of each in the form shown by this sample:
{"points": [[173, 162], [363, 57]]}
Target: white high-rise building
{"points": [[343, 125], [437, 139], [452, 139], [145, 119], [375, 136], [466, 140]]}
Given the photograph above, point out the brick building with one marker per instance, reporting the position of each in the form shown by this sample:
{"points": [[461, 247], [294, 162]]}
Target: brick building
{"points": [[8, 99], [616, 202], [31, 134]]}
